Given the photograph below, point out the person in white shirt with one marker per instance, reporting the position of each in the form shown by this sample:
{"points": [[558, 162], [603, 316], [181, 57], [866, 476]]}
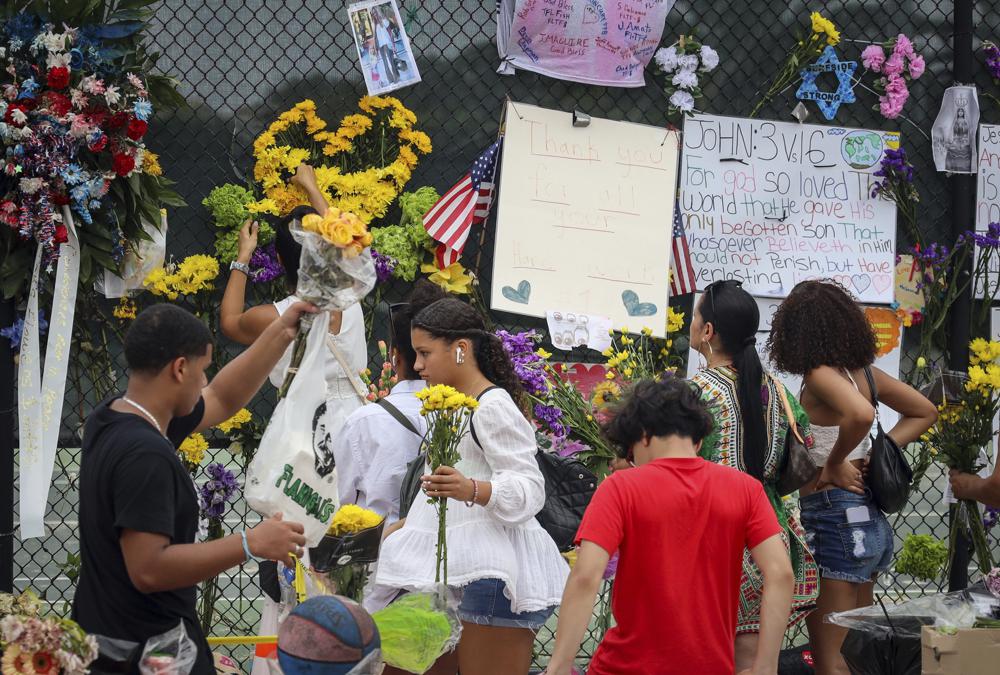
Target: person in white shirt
{"points": [[386, 46], [506, 568], [346, 356], [377, 442]]}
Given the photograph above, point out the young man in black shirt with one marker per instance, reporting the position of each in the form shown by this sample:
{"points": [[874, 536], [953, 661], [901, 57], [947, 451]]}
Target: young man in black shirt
{"points": [[139, 510]]}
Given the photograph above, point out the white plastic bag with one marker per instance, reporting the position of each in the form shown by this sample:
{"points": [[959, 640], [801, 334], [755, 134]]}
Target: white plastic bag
{"points": [[136, 265], [328, 278], [171, 653], [290, 473]]}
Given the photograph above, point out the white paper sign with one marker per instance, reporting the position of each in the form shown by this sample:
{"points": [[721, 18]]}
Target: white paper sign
{"points": [[888, 363], [775, 203], [988, 199], [584, 218], [568, 330]]}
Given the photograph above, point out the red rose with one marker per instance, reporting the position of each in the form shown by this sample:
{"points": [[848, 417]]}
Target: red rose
{"points": [[61, 235], [136, 129], [118, 120], [99, 144], [58, 78], [123, 164], [59, 104]]}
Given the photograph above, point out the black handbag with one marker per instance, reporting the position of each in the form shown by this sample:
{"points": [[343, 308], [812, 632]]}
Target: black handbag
{"points": [[889, 474], [797, 468]]}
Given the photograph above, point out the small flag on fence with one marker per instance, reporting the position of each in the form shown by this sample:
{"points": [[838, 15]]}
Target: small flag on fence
{"points": [[681, 270], [464, 205]]}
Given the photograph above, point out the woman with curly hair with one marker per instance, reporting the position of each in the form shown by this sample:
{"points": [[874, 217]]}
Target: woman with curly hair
{"points": [[751, 422], [501, 562], [820, 333]]}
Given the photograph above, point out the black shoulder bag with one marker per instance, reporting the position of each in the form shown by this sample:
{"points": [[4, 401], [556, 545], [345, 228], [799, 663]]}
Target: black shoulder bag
{"points": [[889, 474]]}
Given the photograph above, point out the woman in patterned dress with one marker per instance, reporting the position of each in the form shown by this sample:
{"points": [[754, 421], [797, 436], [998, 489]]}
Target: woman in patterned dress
{"points": [[749, 435]]}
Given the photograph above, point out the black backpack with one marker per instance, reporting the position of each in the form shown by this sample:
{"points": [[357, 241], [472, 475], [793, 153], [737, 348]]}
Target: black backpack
{"points": [[569, 486]]}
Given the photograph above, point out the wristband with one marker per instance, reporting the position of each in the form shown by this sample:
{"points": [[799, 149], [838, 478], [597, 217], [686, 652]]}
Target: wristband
{"points": [[240, 267], [475, 494], [246, 548]]}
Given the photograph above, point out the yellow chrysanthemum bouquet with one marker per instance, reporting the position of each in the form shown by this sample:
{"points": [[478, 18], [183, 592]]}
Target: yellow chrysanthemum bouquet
{"points": [[361, 167], [823, 33], [351, 544], [449, 414], [963, 430]]}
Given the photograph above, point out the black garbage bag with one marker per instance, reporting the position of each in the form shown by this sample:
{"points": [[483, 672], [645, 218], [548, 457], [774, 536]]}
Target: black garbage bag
{"points": [[795, 661], [892, 648]]}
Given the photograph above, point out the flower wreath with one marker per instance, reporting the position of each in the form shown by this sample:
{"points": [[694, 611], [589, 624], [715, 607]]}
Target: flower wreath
{"points": [[367, 191]]}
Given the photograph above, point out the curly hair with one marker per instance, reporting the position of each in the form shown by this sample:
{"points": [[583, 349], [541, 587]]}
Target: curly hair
{"points": [[668, 407], [452, 319], [820, 324]]}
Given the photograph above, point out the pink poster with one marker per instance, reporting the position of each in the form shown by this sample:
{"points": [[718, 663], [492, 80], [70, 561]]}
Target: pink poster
{"points": [[603, 42]]}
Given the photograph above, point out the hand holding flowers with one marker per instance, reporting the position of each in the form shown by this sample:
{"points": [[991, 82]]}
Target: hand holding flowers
{"points": [[449, 415]]}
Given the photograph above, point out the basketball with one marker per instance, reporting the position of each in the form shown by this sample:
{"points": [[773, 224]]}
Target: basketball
{"points": [[327, 635]]}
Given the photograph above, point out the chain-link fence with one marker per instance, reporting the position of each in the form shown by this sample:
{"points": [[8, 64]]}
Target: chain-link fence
{"points": [[242, 62]]}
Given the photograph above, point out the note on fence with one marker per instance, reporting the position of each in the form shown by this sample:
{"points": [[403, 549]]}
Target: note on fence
{"points": [[569, 329], [774, 203], [584, 218], [988, 199]]}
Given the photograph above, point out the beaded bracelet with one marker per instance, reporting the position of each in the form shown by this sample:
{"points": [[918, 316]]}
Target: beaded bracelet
{"points": [[475, 495]]}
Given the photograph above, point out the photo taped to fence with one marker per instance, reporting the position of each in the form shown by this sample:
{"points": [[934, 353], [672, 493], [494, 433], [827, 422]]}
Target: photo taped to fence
{"points": [[384, 51]]}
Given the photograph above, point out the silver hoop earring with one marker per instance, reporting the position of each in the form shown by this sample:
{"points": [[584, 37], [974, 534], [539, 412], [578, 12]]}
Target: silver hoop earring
{"points": [[459, 356]]}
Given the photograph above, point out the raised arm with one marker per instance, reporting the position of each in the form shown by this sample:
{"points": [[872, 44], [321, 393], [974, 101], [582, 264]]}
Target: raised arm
{"points": [[237, 323], [242, 377], [305, 179]]}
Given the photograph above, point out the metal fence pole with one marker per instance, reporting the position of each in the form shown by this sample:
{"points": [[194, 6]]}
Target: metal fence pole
{"points": [[7, 316], [963, 196]]}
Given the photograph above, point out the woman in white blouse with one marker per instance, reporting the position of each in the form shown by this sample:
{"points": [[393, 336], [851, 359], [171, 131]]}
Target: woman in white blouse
{"points": [[505, 566]]}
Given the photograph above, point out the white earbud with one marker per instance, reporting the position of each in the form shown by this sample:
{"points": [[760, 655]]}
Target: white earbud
{"points": [[460, 356]]}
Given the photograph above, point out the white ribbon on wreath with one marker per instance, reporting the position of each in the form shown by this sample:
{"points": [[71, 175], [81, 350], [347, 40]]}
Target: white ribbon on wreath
{"points": [[40, 394]]}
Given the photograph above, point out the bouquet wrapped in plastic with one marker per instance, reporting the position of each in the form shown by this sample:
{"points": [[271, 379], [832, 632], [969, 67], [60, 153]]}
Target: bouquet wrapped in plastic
{"points": [[335, 268], [416, 630], [350, 545]]}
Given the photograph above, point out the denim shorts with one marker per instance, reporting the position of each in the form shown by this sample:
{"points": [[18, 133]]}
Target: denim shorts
{"points": [[484, 603], [847, 534]]}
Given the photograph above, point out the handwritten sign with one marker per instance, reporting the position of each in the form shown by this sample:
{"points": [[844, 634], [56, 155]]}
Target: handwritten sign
{"points": [[887, 359], [988, 200], [772, 204], [584, 218], [908, 293], [600, 42]]}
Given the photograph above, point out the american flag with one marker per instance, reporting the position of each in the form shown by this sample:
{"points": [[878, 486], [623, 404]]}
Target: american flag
{"points": [[681, 271], [461, 207]]}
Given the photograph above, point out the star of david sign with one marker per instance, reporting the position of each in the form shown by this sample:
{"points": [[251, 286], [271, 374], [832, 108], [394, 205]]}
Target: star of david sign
{"points": [[828, 102]]}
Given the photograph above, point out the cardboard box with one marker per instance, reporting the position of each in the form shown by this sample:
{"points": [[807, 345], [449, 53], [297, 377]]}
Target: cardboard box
{"points": [[970, 651]]}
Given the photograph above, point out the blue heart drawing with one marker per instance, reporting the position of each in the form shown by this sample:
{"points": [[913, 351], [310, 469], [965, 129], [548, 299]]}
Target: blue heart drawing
{"points": [[520, 295], [636, 308], [861, 282]]}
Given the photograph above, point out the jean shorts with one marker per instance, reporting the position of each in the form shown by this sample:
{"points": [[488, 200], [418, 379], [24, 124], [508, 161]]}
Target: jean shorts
{"points": [[484, 603], [848, 535]]}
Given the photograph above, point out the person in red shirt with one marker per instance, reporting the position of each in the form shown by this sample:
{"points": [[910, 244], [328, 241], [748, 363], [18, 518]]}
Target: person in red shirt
{"points": [[679, 524]]}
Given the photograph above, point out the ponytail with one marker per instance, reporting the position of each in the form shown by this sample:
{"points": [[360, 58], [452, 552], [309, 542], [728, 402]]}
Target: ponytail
{"points": [[494, 362], [749, 390], [735, 316]]}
